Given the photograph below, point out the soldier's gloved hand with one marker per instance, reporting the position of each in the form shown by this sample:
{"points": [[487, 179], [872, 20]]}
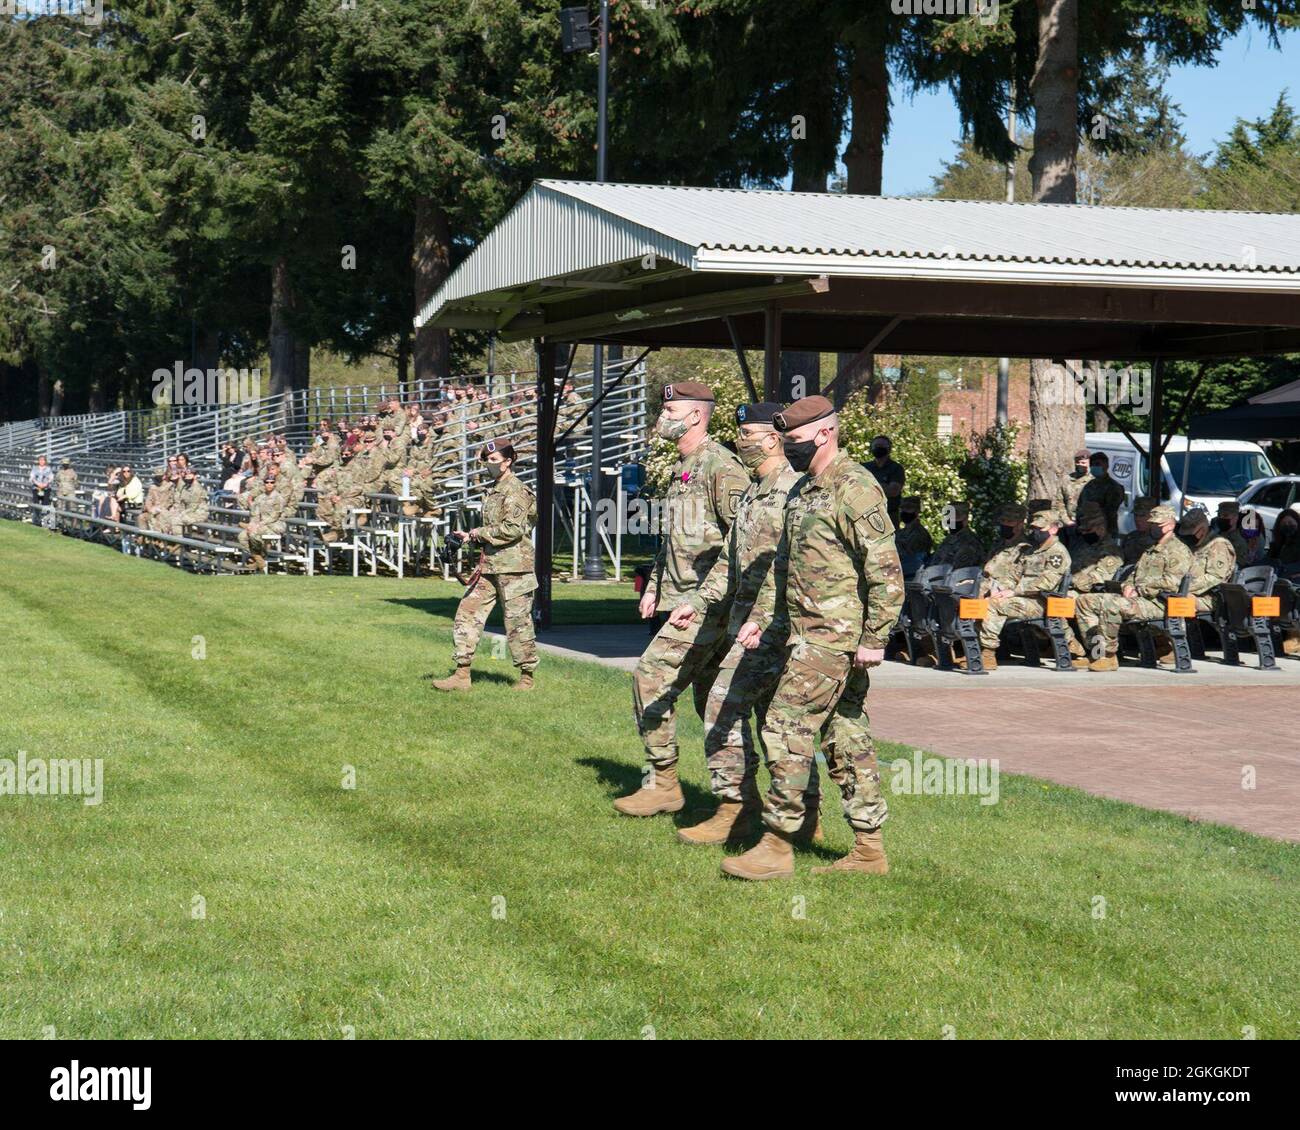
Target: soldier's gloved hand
{"points": [[649, 602], [869, 657], [681, 616], [749, 635]]}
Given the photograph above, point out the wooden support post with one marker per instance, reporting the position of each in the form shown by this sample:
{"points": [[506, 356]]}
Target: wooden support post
{"points": [[544, 547], [771, 350]]}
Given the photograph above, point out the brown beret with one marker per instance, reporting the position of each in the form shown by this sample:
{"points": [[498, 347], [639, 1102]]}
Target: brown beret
{"points": [[688, 390], [802, 412], [1082, 453]]}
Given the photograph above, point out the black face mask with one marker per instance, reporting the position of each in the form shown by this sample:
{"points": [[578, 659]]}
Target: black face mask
{"points": [[801, 455], [1038, 537], [907, 516], [880, 452], [1005, 532], [1092, 537]]}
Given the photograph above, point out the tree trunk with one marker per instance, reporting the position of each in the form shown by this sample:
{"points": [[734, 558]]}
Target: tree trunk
{"points": [[207, 349], [301, 362], [1057, 425], [283, 346], [404, 361], [56, 398], [43, 393], [864, 156], [431, 262]]}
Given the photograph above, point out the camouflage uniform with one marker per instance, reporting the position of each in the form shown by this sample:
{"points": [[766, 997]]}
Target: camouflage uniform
{"points": [[960, 549], [1107, 494], [190, 505], [1240, 546], [265, 516], [1004, 566], [1160, 569], [1037, 571], [65, 484], [745, 576], [844, 590], [1213, 562], [1068, 496], [1094, 565], [706, 488], [508, 576]]}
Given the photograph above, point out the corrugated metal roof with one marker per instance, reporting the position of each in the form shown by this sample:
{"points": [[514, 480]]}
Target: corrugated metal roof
{"points": [[564, 227]]}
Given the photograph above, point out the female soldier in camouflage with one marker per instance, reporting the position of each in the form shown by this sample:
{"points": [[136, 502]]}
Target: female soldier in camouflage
{"points": [[504, 572]]}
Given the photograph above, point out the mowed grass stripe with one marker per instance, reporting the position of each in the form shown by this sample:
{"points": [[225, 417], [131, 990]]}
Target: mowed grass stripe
{"points": [[373, 907]]}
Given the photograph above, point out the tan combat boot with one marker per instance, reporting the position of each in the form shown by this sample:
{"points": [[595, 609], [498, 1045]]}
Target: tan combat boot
{"points": [[664, 795], [457, 682], [1105, 663], [1164, 651], [1291, 644], [771, 858], [867, 856], [258, 563], [525, 681], [989, 655], [732, 821]]}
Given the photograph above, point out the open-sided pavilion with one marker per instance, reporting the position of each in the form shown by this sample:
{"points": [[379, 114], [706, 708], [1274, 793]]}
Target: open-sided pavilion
{"points": [[651, 266]]}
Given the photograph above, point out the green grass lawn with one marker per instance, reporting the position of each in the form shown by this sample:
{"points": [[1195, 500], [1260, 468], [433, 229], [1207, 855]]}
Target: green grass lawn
{"points": [[476, 882]]}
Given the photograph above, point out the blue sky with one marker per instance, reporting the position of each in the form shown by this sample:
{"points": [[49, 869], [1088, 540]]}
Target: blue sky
{"points": [[1245, 84]]}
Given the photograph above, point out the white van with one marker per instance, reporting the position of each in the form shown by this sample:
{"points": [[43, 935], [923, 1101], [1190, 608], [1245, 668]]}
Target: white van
{"points": [[1219, 471]]}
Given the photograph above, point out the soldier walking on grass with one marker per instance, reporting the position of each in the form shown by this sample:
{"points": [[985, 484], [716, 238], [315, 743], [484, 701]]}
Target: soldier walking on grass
{"points": [[705, 491], [505, 572], [844, 589]]}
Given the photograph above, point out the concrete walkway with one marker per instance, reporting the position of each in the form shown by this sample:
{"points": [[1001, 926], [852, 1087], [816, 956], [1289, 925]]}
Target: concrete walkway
{"points": [[1182, 743]]}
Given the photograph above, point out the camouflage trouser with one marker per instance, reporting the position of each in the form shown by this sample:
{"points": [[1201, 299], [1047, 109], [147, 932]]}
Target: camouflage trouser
{"points": [[745, 682], [515, 592], [1002, 609], [251, 541], [821, 692], [1100, 614], [676, 659]]}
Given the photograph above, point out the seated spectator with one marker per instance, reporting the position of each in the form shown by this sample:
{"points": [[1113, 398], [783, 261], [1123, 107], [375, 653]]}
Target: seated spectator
{"points": [[1041, 565], [1226, 525], [912, 540], [1284, 547], [1095, 560], [1138, 540], [1001, 568], [1214, 560], [230, 461], [961, 548], [1159, 570]]}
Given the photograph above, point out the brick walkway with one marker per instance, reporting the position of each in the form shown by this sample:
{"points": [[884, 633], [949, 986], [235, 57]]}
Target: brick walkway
{"points": [[1173, 742]]}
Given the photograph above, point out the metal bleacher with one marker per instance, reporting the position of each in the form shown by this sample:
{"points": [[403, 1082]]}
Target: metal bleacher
{"points": [[384, 537]]}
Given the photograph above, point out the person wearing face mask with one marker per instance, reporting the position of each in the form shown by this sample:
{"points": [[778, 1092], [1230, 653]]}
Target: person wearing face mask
{"points": [[912, 540], [1095, 559], [960, 548], [843, 592], [1043, 563], [889, 474], [746, 579], [1214, 560], [1103, 490], [1138, 540], [1072, 486], [1227, 525], [1284, 548], [1160, 569], [704, 493], [1002, 569], [504, 573]]}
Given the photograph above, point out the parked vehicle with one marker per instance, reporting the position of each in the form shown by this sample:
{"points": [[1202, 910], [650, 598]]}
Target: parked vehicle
{"points": [[1269, 497], [1219, 470]]}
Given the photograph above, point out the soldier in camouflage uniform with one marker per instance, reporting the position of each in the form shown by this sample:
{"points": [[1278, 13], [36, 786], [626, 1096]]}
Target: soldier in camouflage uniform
{"points": [[1103, 490], [1095, 560], [844, 590], [1228, 526], [1137, 541], [912, 540], [1214, 560], [65, 482], [505, 572], [336, 494], [190, 503], [1072, 486], [704, 493], [1041, 562], [1002, 569], [265, 516], [744, 577], [960, 548], [1160, 569]]}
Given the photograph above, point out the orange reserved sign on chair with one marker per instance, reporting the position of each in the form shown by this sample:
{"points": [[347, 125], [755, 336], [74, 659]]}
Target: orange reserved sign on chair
{"points": [[1266, 606], [1062, 606], [1184, 606], [972, 608]]}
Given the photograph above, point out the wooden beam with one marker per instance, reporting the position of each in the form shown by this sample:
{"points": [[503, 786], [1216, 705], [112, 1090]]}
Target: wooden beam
{"points": [[771, 350], [740, 356], [863, 359]]}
